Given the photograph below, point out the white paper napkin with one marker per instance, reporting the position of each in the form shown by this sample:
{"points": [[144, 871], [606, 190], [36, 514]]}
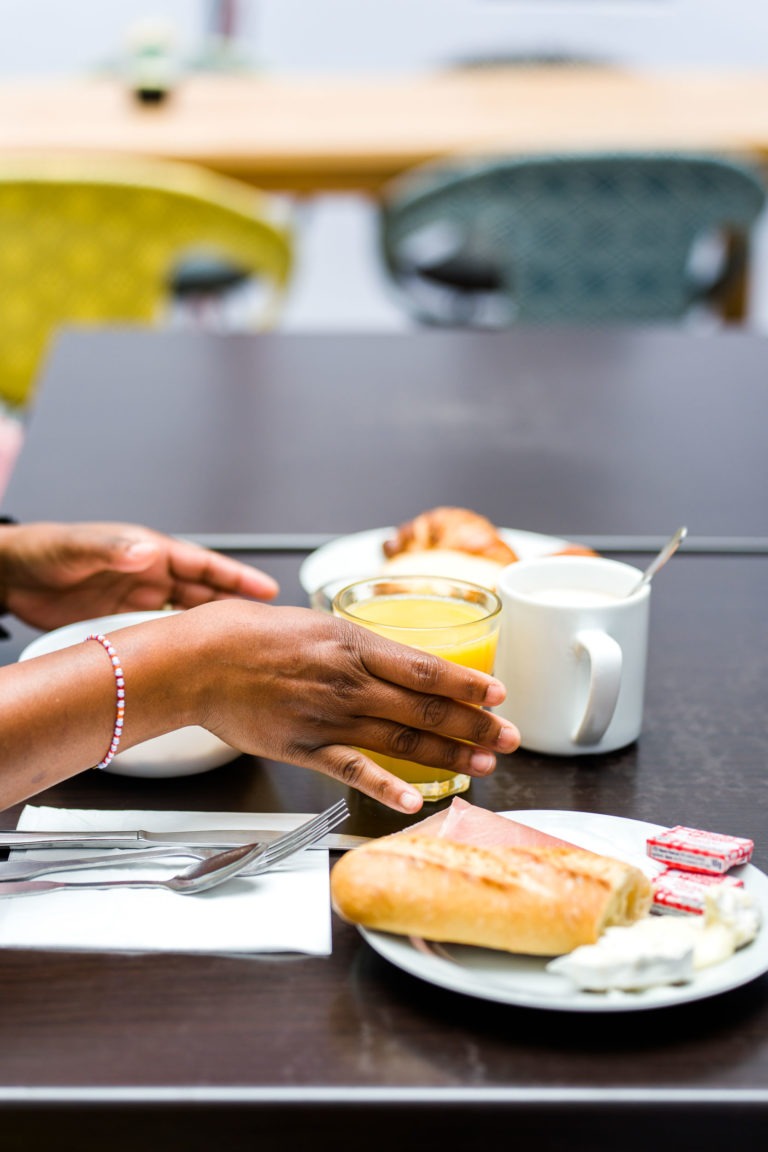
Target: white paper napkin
{"points": [[287, 910]]}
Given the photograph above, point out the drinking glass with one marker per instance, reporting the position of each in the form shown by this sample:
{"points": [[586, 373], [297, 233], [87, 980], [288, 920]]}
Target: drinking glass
{"points": [[451, 618]]}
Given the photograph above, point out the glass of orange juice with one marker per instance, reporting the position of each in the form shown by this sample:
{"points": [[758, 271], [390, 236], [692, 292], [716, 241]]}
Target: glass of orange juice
{"points": [[451, 618]]}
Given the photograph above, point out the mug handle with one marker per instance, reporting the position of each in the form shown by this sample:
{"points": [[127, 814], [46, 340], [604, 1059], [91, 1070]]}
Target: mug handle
{"points": [[605, 660]]}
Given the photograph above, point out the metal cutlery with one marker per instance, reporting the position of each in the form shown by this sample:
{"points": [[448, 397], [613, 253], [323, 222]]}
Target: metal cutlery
{"points": [[30, 869], [659, 561], [207, 837], [210, 872]]}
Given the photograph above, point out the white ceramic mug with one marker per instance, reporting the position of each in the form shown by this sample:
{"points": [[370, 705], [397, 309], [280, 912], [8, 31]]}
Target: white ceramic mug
{"points": [[572, 652]]}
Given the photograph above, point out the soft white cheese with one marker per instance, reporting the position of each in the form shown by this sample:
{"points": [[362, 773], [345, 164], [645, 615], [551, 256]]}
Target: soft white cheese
{"points": [[663, 949], [652, 951], [712, 943], [735, 908]]}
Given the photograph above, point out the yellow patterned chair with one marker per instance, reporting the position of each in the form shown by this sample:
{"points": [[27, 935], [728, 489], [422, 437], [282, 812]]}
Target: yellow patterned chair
{"points": [[98, 239]]}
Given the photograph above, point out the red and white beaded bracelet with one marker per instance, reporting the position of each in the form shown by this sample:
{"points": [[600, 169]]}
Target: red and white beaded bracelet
{"points": [[120, 704]]}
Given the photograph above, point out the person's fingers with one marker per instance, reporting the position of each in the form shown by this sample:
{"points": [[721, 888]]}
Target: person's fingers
{"points": [[358, 771], [188, 594], [197, 573], [82, 551], [381, 716], [454, 754], [422, 672], [418, 691], [192, 574], [127, 555]]}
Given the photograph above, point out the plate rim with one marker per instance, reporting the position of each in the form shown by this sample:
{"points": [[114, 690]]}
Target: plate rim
{"points": [[448, 974]]}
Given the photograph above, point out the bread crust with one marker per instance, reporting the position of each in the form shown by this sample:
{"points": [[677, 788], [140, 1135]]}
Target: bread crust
{"points": [[460, 531], [447, 562], [454, 529], [538, 901]]}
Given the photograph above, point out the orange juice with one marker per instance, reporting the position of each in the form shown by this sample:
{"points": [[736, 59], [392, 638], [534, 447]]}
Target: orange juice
{"points": [[449, 618], [436, 625]]}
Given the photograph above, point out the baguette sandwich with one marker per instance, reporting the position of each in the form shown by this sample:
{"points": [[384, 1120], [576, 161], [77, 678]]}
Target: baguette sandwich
{"points": [[542, 901]]}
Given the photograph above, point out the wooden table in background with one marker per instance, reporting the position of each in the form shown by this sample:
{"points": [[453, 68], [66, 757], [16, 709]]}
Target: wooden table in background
{"points": [[320, 133]]}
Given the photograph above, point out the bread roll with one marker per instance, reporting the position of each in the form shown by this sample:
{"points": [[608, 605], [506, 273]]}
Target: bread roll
{"points": [[446, 562], [538, 901], [458, 543], [457, 529]]}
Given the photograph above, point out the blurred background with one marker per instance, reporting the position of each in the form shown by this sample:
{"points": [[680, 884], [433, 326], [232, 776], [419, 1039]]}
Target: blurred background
{"points": [[337, 278], [338, 281], [68, 36]]}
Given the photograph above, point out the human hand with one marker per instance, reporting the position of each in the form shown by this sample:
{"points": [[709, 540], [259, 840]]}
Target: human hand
{"points": [[305, 687], [53, 574]]}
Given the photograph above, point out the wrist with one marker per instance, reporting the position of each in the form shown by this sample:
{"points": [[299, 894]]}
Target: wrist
{"points": [[170, 668], [202, 639], [217, 648]]}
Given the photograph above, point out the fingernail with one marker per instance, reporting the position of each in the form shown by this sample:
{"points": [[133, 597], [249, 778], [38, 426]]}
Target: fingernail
{"points": [[494, 693], [482, 762], [411, 801], [140, 548], [508, 739]]}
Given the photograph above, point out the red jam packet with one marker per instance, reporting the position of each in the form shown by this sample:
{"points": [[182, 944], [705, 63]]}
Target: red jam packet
{"points": [[695, 850], [683, 893]]}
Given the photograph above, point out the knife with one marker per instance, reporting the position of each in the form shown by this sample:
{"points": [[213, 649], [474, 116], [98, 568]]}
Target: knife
{"points": [[208, 838], [34, 887], [26, 869]]}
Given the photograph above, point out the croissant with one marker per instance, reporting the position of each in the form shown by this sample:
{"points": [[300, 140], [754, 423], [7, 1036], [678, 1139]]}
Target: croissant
{"points": [[452, 529]]}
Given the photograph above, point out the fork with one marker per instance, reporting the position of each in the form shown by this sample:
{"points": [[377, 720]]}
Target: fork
{"points": [[212, 871]]}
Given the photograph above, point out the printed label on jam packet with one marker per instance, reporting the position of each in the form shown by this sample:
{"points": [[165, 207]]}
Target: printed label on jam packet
{"points": [[682, 893], [695, 850]]}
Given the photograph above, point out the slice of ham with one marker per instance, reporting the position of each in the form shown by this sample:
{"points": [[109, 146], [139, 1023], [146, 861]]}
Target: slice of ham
{"points": [[469, 824]]}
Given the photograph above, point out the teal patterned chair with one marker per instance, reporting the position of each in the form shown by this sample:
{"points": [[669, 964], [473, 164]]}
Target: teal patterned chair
{"points": [[578, 238]]}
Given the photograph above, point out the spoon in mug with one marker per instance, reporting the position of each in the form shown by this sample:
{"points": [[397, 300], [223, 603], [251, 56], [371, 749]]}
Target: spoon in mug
{"points": [[668, 550]]}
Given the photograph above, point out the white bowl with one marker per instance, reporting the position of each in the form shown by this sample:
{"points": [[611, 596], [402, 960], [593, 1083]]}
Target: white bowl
{"points": [[185, 752]]}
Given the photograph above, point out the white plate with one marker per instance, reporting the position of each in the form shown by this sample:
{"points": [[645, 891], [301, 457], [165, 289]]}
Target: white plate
{"points": [[354, 557], [524, 981]]}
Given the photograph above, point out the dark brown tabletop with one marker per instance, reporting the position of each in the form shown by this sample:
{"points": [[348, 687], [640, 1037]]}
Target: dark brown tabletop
{"points": [[192, 1052], [565, 432]]}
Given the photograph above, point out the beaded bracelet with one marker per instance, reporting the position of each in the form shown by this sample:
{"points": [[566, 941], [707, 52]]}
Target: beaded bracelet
{"points": [[120, 706]]}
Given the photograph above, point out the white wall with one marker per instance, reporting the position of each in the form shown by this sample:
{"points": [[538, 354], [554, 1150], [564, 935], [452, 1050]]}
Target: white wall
{"points": [[65, 36], [50, 37], [399, 34]]}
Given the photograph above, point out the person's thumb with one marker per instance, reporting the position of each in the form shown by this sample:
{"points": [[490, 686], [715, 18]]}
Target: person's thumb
{"points": [[126, 555]]}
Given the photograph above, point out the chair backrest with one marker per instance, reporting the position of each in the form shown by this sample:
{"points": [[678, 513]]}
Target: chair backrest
{"points": [[95, 239], [581, 237]]}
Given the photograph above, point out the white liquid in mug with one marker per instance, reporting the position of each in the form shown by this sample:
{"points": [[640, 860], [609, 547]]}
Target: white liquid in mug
{"points": [[573, 597]]}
